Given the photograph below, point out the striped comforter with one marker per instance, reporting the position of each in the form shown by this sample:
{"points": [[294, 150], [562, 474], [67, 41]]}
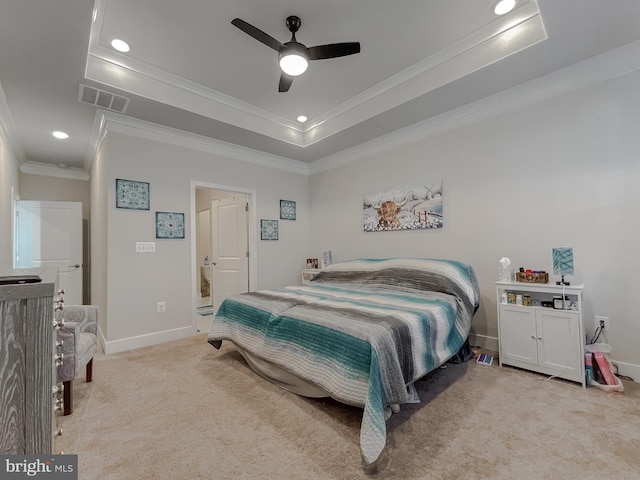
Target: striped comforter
{"points": [[361, 330]]}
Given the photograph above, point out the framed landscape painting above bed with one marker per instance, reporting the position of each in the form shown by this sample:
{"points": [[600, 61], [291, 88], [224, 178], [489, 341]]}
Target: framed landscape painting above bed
{"points": [[404, 208]]}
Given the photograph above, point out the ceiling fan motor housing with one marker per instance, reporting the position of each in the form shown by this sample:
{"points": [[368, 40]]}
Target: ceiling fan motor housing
{"points": [[293, 23], [293, 47]]}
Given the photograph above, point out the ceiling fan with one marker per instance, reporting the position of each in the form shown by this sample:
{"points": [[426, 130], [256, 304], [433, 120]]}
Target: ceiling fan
{"points": [[294, 56]]}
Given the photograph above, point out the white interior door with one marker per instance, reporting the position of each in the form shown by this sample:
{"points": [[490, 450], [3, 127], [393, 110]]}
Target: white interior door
{"points": [[203, 249], [230, 250], [49, 234]]}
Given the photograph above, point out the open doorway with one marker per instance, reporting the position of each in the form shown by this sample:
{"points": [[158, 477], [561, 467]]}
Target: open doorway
{"points": [[222, 243]]}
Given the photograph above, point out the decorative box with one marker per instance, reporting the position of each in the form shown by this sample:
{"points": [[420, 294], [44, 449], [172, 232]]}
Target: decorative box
{"points": [[532, 277]]}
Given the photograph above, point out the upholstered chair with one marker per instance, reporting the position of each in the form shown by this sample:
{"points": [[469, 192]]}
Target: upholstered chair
{"points": [[78, 336]]}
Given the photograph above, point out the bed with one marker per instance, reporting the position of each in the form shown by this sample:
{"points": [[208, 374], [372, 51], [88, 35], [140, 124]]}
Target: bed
{"points": [[361, 332]]}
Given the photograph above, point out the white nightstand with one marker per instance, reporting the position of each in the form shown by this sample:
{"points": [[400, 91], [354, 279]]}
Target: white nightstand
{"points": [[308, 273], [542, 339]]}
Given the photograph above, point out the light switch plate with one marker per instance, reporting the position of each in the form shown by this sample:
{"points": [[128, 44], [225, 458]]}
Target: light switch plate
{"points": [[145, 247]]}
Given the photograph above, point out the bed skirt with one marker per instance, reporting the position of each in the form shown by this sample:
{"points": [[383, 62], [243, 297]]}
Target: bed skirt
{"points": [[281, 377]]}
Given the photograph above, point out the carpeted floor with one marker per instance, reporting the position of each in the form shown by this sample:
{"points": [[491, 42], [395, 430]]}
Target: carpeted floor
{"points": [[184, 411]]}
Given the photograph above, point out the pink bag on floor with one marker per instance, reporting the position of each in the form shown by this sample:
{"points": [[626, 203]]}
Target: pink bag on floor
{"points": [[589, 350]]}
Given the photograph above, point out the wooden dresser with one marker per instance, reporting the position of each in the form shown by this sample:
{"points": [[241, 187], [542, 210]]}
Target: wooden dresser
{"points": [[27, 373]]}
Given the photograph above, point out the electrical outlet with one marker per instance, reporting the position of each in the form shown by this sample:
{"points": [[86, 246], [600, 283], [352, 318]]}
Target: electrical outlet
{"points": [[604, 323], [162, 306]]}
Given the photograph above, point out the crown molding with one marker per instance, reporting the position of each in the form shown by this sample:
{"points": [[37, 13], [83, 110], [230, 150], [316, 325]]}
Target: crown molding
{"points": [[606, 66], [499, 39], [112, 122], [476, 50], [49, 170], [616, 63], [96, 137], [8, 129]]}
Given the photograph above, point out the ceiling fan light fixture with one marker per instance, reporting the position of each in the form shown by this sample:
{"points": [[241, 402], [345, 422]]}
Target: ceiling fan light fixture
{"points": [[293, 56], [293, 60]]}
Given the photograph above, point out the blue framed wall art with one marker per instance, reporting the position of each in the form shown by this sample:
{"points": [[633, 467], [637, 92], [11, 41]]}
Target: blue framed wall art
{"points": [[169, 225], [132, 195], [268, 229], [287, 210]]}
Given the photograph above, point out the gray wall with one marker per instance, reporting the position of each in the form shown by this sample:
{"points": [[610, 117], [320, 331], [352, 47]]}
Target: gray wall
{"points": [[561, 172], [56, 189], [136, 282], [564, 172], [9, 187], [99, 239]]}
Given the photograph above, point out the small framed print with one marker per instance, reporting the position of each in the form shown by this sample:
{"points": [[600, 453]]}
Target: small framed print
{"points": [[268, 229], [132, 195], [287, 210], [169, 225]]}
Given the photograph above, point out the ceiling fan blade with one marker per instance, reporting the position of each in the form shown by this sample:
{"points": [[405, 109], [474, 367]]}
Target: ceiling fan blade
{"points": [[285, 82], [256, 33], [333, 50]]}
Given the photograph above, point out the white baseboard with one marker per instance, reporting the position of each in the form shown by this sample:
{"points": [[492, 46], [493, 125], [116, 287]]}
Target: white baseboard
{"points": [[628, 370], [155, 338], [482, 341]]}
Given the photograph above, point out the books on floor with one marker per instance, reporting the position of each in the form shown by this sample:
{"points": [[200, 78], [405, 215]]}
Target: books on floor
{"points": [[604, 367], [484, 359]]}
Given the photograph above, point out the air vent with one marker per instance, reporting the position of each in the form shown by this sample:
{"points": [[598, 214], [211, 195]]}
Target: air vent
{"points": [[102, 99]]}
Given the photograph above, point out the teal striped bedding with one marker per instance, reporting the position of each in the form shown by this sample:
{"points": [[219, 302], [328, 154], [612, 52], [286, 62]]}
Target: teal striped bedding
{"points": [[362, 330]]}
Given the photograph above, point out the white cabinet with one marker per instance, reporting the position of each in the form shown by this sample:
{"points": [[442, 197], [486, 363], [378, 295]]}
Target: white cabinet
{"points": [[542, 339], [307, 274]]}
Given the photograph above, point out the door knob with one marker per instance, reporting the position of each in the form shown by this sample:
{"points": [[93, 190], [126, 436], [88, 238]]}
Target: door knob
{"points": [[77, 265]]}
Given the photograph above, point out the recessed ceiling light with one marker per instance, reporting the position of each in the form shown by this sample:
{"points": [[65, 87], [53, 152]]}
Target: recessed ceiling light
{"points": [[302, 119], [60, 135], [503, 6], [120, 45]]}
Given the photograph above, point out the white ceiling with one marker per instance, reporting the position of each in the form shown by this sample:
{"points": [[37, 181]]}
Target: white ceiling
{"points": [[190, 69]]}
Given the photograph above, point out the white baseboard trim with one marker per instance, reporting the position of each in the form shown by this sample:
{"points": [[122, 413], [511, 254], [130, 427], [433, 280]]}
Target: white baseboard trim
{"points": [[155, 338], [628, 370], [483, 341], [487, 343]]}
